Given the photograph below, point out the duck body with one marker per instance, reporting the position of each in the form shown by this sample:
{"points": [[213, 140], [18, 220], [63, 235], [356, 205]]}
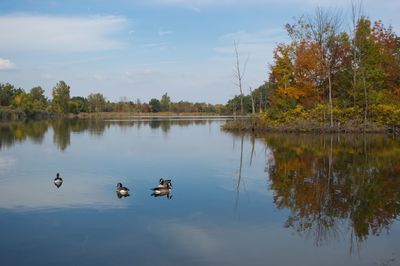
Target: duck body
{"points": [[162, 191], [58, 181], [122, 190]]}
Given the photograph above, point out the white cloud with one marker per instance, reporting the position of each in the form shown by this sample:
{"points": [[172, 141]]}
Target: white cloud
{"points": [[6, 64], [59, 34]]}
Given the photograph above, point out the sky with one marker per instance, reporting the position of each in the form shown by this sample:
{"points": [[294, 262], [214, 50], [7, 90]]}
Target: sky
{"points": [[132, 49]]}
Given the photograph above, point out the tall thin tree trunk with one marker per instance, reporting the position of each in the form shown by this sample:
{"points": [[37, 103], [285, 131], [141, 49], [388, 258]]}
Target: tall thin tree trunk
{"points": [[366, 100], [330, 97], [356, 13], [239, 75], [323, 109]]}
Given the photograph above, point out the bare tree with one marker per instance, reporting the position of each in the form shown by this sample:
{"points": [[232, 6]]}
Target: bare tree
{"points": [[239, 74]]}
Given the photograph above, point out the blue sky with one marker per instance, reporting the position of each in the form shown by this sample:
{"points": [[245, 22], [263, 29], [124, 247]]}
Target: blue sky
{"points": [[142, 49]]}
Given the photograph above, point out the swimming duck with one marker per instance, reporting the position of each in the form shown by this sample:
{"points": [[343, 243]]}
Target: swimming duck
{"points": [[58, 181], [122, 190], [162, 191]]}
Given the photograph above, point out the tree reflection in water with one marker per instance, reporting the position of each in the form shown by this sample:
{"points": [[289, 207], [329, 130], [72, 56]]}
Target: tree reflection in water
{"points": [[13, 132], [336, 185]]}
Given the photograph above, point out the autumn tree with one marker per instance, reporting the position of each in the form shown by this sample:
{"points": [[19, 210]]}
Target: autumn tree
{"points": [[321, 29]]}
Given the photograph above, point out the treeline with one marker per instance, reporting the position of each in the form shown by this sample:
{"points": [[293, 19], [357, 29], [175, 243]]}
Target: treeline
{"points": [[332, 78], [336, 77], [16, 103]]}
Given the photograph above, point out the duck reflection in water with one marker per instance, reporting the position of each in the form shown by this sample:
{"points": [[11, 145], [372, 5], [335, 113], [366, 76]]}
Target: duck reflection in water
{"points": [[58, 181], [122, 191], [163, 189]]}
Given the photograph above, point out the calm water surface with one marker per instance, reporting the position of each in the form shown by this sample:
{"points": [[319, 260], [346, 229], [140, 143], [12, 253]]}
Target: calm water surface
{"points": [[236, 200]]}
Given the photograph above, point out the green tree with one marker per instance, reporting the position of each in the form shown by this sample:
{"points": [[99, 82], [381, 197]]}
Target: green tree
{"points": [[37, 94], [165, 103], [369, 64], [7, 93], [97, 102], [61, 97], [80, 104], [234, 104], [155, 105], [38, 99]]}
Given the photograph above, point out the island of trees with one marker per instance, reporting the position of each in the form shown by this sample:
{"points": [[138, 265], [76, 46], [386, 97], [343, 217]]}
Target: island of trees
{"points": [[328, 79]]}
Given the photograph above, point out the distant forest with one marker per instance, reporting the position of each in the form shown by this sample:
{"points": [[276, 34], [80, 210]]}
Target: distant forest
{"points": [[16, 103]]}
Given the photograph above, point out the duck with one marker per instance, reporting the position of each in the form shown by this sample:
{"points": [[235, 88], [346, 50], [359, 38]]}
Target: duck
{"points": [[162, 191], [121, 190], [58, 181], [163, 183]]}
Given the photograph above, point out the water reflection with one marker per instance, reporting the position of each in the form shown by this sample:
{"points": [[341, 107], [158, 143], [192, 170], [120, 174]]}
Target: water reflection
{"points": [[17, 132], [332, 184], [328, 188], [11, 133]]}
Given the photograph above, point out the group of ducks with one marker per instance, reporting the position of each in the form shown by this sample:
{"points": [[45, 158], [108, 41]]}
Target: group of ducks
{"points": [[162, 189]]}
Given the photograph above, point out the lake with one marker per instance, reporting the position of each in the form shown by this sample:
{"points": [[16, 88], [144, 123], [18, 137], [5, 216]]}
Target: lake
{"points": [[272, 199]]}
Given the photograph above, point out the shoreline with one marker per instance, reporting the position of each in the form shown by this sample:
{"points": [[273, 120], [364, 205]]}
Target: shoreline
{"points": [[111, 115], [254, 125], [15, 116]]}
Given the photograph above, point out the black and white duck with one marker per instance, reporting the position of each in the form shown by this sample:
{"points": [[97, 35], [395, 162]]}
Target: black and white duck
{"points": [[122, 191], [58, 181], [162, 191]]}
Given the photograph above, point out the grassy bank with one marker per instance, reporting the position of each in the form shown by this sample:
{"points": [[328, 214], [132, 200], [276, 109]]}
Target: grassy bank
{"points": [[258, 125]]}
